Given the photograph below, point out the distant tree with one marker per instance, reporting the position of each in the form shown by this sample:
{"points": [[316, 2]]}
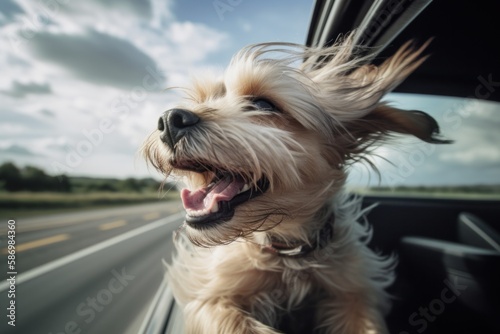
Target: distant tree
{"points": [[63, 183], [130, 184], [35, 179], [169, 185], [106, 186], [10, 176], [149, 184], [32, 179], [100, 186]]}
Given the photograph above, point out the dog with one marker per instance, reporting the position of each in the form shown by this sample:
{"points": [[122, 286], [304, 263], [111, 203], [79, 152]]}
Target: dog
{"points": [[263, 152]]}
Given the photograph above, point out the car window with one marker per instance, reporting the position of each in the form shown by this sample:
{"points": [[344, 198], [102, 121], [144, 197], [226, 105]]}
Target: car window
{"points": [[467, 168]]}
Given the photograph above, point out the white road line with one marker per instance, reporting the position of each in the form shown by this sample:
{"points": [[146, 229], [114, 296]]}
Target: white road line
{"points": [[43, 269]]}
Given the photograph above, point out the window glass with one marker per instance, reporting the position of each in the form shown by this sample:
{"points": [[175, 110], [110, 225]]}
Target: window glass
{"points": [[469, 167]]}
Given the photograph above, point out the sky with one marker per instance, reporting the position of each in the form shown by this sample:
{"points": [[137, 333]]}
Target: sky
{"points": [[83, 84]]}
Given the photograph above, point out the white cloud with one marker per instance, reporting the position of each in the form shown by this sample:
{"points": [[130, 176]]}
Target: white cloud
{"points": [[13, 129], [83, 55], [474, 127], [95, 57], [472, 158], [194, 41], [20, 89], [482, 155]]}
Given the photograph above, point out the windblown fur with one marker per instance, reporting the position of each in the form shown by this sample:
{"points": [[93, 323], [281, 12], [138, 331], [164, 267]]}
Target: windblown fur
{"points": [[327, 113]]}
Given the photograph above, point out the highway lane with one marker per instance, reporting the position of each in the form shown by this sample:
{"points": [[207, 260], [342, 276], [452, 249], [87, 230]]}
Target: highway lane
{"points": [[90, 273], [43, 239]]}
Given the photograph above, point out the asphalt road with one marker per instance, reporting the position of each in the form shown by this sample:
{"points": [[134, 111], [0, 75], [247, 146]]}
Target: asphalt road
{"points": [[87, 272]]}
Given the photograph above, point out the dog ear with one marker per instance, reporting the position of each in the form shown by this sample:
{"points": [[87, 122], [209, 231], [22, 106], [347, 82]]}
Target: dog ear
{"points": [[348, 87], [385, 120], [382, 120], [350, 90]]}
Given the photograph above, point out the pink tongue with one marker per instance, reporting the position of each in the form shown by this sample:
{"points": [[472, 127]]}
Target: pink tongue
{"points": [[200, 199]]}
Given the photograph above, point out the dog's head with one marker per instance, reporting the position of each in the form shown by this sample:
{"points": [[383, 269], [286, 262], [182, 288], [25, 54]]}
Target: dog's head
{"points": [[268, 143]]}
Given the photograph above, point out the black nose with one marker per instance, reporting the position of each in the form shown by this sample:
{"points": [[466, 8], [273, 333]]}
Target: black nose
{"points": [[174, 124]]}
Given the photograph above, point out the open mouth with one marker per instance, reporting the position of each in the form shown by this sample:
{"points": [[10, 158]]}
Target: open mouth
{"points": [[216, 202]]}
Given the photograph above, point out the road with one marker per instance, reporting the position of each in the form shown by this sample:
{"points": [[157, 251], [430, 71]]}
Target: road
{"points": [[88, 272]]}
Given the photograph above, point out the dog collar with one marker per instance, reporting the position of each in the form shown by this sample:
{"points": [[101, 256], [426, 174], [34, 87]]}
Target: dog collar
{"points": [[282, 248]]}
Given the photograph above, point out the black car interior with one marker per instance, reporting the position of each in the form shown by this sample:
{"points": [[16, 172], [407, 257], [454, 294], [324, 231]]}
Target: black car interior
{"points": [[448, 249], [449, 263]]}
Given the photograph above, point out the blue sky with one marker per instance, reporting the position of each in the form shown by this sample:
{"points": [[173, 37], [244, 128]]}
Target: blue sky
{"points": [[83, 84]]}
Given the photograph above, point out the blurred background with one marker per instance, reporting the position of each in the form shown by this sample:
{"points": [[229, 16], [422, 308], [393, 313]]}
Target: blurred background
{"points": [[83, 84]]}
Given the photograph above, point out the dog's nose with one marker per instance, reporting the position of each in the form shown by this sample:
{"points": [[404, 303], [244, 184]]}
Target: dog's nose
{"points": [[174, 124]]}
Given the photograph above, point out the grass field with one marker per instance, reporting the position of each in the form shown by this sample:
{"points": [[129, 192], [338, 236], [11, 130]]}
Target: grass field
{"points": [[25, 204]]}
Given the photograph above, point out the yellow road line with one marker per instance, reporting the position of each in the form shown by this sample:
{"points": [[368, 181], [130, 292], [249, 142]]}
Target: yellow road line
{"points": [[151, 216], [112, 225], [39, 243]]}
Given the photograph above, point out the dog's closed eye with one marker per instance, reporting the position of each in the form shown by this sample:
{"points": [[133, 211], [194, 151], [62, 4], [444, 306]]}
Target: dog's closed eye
{"points": [[264, 105]]}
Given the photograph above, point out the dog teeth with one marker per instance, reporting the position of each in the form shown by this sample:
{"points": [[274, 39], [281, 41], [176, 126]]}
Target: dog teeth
{"points": [[245, 188], [204, 212], [197, 213], [215, 208]]}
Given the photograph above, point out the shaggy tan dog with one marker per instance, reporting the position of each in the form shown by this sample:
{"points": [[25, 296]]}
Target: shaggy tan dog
{"points": [[263, 152]]}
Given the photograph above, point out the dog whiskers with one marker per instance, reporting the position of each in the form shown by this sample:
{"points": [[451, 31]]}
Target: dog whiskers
{"points": [[264, 152]]}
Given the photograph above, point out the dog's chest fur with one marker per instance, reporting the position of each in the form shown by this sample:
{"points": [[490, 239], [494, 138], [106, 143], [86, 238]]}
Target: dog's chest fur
{"points": [[280, 291]]}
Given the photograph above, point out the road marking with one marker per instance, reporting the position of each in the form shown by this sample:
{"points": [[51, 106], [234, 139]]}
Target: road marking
{"points": [[67, 219], [43, 269], [174, 210], [39, 243], [112, 225], [151, 216]]}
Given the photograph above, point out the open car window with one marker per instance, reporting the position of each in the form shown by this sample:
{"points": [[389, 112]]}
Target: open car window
{"points": [[469, 168]]}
